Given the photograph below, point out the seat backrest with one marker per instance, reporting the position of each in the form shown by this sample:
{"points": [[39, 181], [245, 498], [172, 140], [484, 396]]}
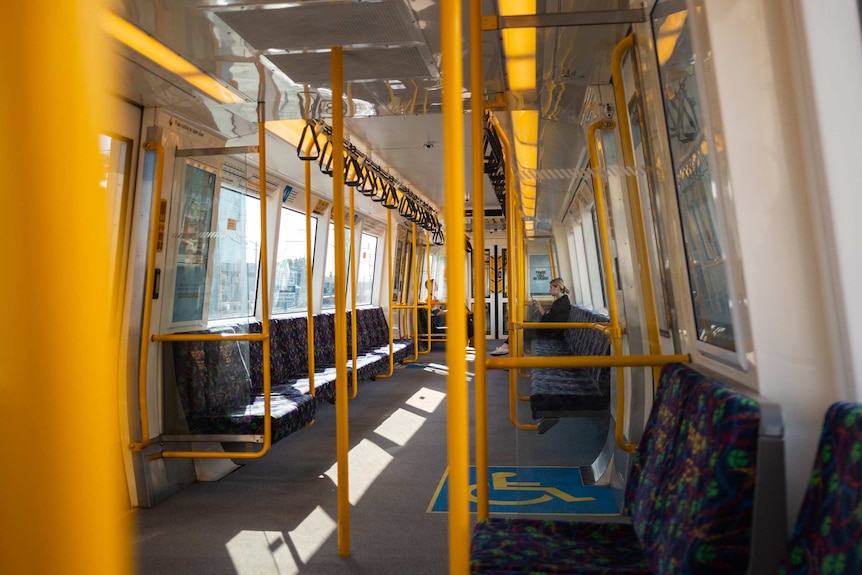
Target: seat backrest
{"points": [[826, 538], [212, 376], [583, 341], [661, 431], [694, 514]]}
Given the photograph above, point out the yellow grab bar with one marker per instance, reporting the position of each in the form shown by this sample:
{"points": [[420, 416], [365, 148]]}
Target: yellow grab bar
{"points": [[391, 282], [309, 280], [638, 227], [602, 219], [148, 296], [480, 389], [262, 337]]}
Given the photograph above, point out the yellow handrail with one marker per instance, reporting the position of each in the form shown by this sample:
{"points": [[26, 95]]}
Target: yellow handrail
{"points": [[391, 282], [354, 372], [456, 380], [309, 280], [263, 337], [572, 361], [342, 438], [414, 307], [602, 219], [638, 227], [143, 359], [480, 389], [511, 215]]}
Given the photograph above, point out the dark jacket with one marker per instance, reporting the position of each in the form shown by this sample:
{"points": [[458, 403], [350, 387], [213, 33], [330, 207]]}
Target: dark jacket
{"points": [[559, 311]]}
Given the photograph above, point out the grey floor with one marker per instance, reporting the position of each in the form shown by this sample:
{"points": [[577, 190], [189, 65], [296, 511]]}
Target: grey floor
{"points": [[278, 515]]}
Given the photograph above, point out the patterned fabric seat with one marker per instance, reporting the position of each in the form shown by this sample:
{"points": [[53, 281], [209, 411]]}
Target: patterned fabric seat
{"points": [[561, 392], [691, 493], [216, 392], [828, 531]]}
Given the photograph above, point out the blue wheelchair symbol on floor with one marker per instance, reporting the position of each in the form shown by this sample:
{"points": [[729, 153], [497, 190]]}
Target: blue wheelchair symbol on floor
{"points": [[500, 482], [548, 490]]}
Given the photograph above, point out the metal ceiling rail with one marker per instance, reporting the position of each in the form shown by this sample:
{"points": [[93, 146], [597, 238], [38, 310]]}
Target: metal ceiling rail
{"points": [[564, 19]]}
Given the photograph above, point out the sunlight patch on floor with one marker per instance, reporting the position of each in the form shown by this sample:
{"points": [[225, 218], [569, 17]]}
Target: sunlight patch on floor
{"points": [[268, 553], [428, 400], [441, 369], [400, 426], [366, 462]]}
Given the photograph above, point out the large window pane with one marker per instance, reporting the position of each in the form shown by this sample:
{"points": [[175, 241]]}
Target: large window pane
{"points": [[193, 244], [235, 261], [116, 159], [365, 269], [329, 268], [291, 283], [708, 268]]}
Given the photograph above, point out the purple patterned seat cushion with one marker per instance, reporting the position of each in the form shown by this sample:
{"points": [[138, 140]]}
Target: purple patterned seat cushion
{"points": [[568, 391], [694, 514], [827, 537], [661, 431], [691, 495], [557, 391], [289, 412], [544, 546]]}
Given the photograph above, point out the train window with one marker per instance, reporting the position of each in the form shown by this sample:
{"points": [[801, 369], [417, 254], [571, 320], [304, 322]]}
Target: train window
{"points": [[697, 184], [116, 155], [329, 266], [365, 269], [193, 243], [600, 273], [235, 259], [401, 264], [291, 283]]}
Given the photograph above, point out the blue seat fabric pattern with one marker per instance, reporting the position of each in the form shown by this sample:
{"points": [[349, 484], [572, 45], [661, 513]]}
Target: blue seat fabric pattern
{"points": [[559, 391], [827, 537], [690, 495]]}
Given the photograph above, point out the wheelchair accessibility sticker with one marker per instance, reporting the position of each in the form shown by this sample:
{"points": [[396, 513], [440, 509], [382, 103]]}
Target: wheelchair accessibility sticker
{"points": [[548, 490]]}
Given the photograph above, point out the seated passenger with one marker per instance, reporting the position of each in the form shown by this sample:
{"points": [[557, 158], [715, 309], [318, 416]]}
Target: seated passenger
{"points": [[438, 313], [559, 311]]}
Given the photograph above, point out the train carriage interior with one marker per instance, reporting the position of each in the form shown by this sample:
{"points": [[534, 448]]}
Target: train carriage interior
{"points": [[426, 286]]}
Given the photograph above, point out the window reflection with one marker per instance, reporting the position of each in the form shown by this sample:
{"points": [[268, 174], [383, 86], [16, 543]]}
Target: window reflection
{"points": [[291, 280], [235, 260], [707, 262]]}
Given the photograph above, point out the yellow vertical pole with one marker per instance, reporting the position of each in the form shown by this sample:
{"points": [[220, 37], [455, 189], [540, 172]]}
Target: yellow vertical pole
{"points": [[511, 217], [416, 292], [415, 308], [428, 277], [456, 396], [391, 282], [60, 506], [309, 280], [144, 349], [354, 372], [638, 226], [602, 219], [480, 389], [264, 282], [342, 440]]}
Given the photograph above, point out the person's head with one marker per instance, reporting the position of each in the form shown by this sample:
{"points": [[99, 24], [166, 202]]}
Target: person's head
{"points": [[429, 285], [557, 284]]}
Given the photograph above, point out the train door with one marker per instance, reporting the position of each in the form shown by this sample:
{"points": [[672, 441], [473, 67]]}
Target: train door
{"points": [[118, 145], [496, 293]]}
